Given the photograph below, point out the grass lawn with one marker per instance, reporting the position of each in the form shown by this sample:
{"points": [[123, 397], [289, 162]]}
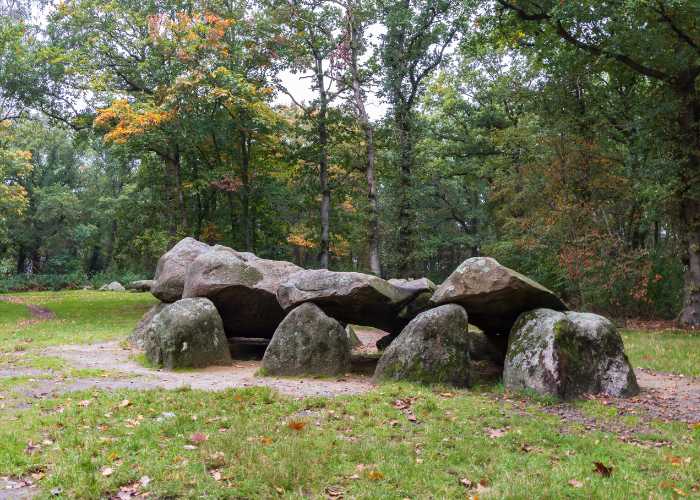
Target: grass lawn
{"points": [[667, 351], [254, 443]]}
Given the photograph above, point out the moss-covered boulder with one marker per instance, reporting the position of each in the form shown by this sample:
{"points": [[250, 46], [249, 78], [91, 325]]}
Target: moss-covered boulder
{"points": [[242, 287], [493, 295], [137, 338], [187, 334], [307, 342], [433, 348], [567, 354], [169, 280]]}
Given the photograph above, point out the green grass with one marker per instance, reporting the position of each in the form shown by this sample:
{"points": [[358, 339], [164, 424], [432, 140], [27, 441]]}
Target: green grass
{"points": [[82, 317], [672, 351], [12, 313], [362, 446]]}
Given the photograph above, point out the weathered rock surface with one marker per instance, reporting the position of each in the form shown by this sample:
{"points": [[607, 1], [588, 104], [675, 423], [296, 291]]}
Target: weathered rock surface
{"points": [[307, 342], [493, 295], [356, 298], [353, 340], [114, 286], [137, 337], [140, 286], [433, 348], [172, 266], [187, 334], [567, 355], [491, 348], [242, 287]]}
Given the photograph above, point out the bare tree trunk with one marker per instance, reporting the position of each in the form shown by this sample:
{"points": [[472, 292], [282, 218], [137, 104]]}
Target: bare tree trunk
{"points": [[174, 171], [245, 190], [373, 226], [405, 243], [324, 254]]}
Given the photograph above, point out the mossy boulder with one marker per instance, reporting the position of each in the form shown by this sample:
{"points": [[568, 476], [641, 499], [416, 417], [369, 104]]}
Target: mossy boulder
{"points": [[114, 286], [242, 287], [137, 338], [567, 354], [432, 349], [169, 280], [187, 334], [493, 295], [307, 342]]}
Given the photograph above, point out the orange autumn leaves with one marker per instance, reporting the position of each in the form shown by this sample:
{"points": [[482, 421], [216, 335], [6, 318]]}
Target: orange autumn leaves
{"points": [[125, 121]]}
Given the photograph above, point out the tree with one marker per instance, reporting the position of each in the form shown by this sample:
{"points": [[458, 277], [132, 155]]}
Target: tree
{"points": [[417, 37], [667, 54], [358, 15], [309, 44]]}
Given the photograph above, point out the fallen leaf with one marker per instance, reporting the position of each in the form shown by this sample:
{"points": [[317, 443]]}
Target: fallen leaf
{"points": [[375, 475], [334, 491], [190, 447], [107, 471], [603, 470], [266, 440], [680, 492], [466, 483], [85, 403], [575, 483], [495, 433], [216, 475], [199, 437], [124, 403], [296, 425]]}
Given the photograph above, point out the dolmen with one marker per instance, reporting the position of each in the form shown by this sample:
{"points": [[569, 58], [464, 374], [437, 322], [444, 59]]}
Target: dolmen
{"points": [[213, 297]]}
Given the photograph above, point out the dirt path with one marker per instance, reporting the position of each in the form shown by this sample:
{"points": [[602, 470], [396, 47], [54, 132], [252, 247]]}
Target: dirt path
{"points": [[36, 313], [113, 357]]}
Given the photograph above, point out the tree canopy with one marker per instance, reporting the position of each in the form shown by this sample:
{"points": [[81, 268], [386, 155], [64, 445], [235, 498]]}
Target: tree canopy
{"points": [[392, 137]]}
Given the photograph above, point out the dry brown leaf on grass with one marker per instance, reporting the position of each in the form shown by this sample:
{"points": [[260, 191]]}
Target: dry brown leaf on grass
{"points": [[124, 403], [375, 475], [603, 470], [334, 492], [296, 425], [107, 471], [495, 433], [575, 483]]}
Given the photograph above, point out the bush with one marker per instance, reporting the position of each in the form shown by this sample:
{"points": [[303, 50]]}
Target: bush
{"points": [[72, 281]]}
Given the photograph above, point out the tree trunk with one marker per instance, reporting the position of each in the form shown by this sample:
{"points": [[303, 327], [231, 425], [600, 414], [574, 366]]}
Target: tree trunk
{"points": [[245, 190], [405, 242], [324, 253], [373, 223], [690, 206], [174, 171], [690, 314]]}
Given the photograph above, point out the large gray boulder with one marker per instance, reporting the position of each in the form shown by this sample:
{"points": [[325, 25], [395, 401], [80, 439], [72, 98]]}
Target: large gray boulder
{"points": [[169, 280], [242, 287], [140, 286], [137, 338], [567, 355], [493, 295], [187, 334], [432, 349], [355, 298], [307, 342], [114, 286]]}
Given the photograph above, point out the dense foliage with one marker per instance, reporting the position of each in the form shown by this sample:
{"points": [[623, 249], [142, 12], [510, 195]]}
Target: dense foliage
{"points": [[562, 138]]}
